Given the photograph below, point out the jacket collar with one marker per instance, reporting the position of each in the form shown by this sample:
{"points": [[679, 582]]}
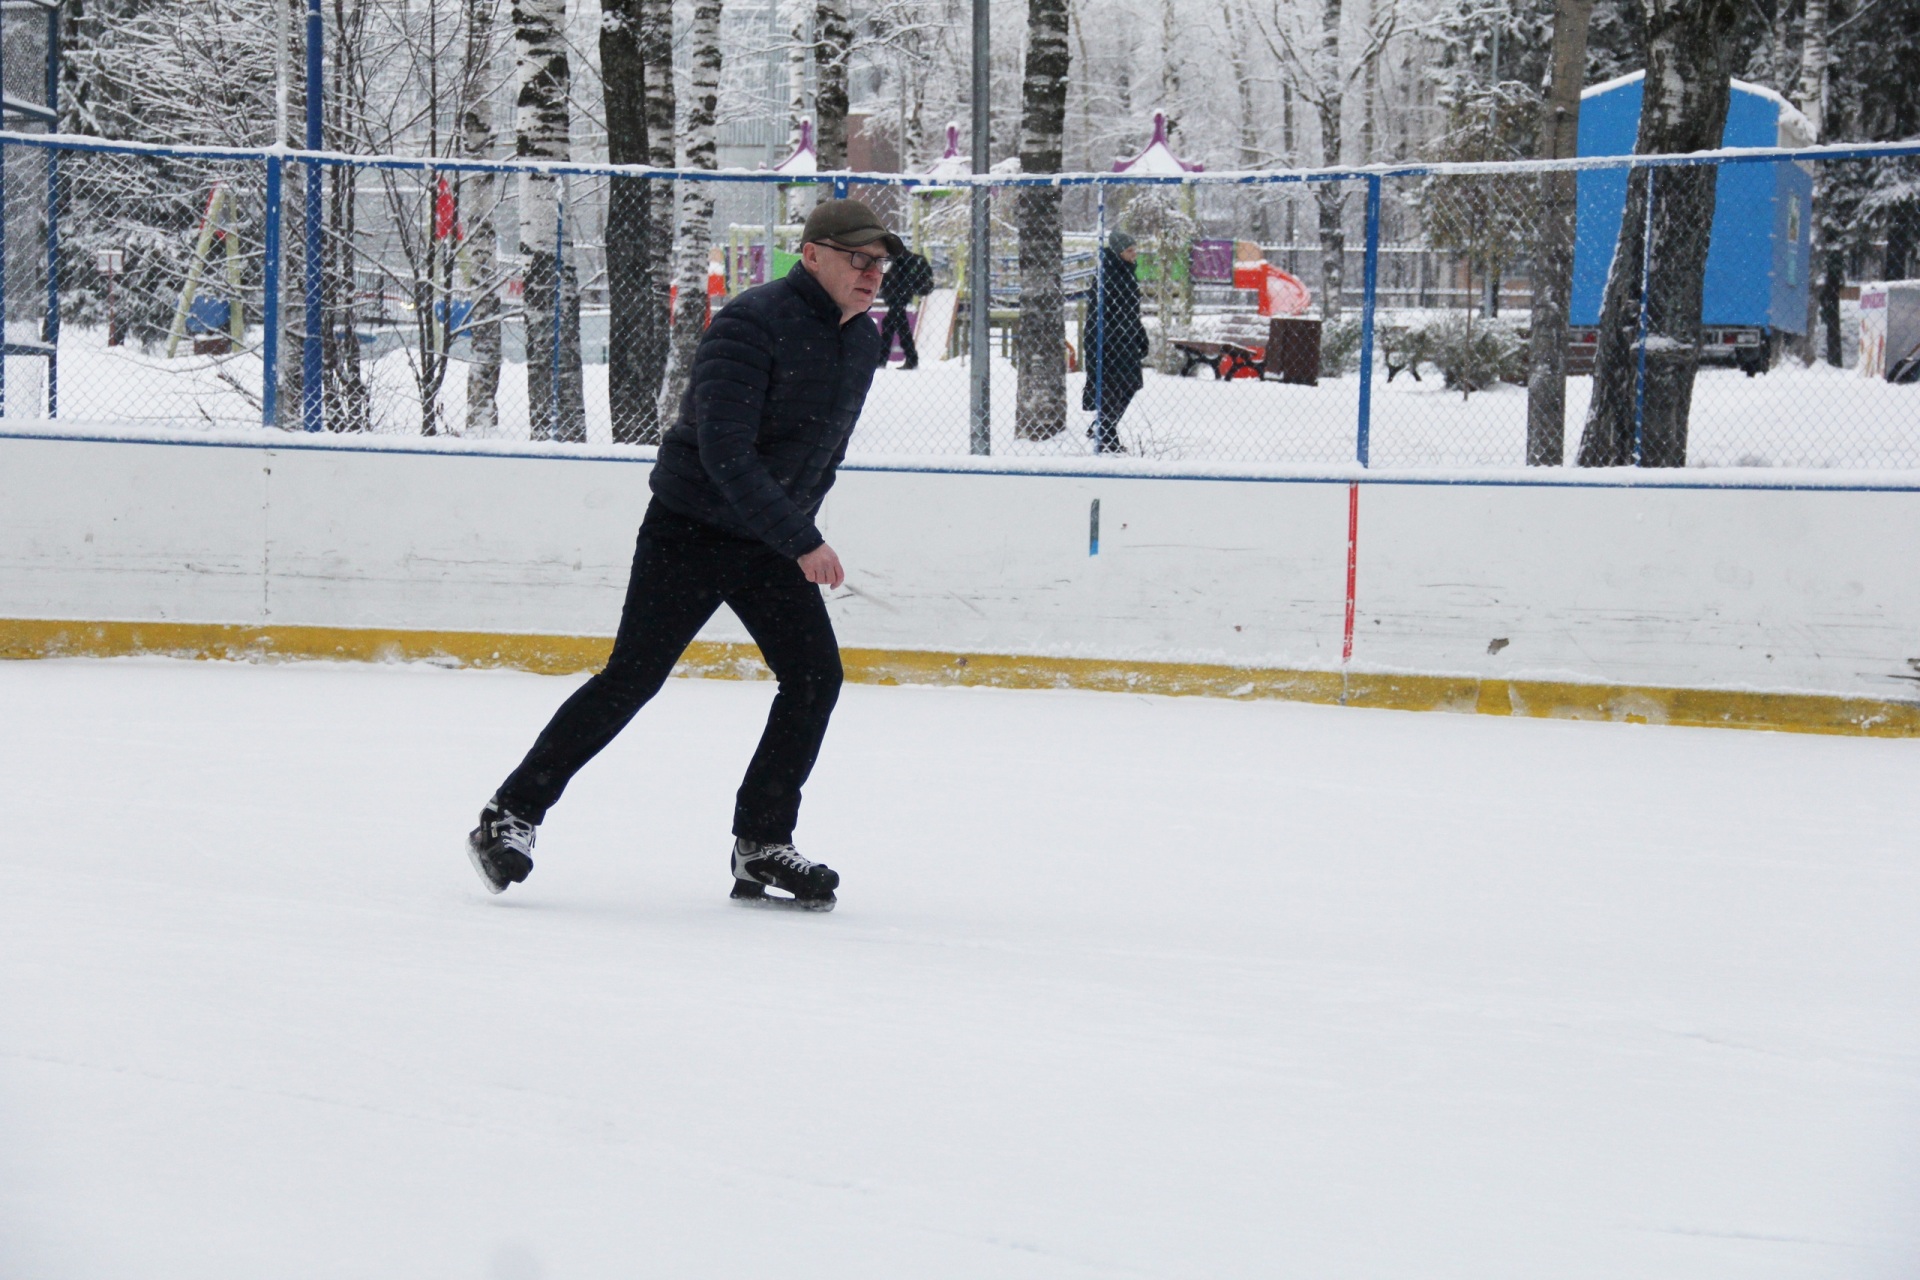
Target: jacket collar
{"points": [[815, 295]]}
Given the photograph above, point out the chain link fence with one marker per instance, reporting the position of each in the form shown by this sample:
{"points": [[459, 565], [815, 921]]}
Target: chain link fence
{"points": [[1712, 314]]}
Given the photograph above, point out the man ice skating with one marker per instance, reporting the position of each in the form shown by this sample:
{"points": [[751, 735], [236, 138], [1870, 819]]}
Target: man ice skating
{"points": [[778, 382]]}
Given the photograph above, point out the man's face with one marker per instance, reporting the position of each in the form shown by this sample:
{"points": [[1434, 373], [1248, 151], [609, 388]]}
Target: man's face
{"points": [[853, 290], [1130, 254]]}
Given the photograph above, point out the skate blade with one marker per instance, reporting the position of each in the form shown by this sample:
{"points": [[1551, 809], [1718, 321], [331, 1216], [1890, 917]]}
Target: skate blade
{"points": [[746, 894], [479, 868]]}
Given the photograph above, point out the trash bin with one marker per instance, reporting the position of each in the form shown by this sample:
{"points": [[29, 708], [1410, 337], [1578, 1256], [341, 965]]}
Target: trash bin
{"points": [[1293, 350]]}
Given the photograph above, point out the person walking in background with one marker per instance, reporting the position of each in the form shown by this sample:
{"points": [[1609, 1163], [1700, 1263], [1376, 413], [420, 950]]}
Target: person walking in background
{"points": [[1116, 345], [778, 382], [910, 280]]}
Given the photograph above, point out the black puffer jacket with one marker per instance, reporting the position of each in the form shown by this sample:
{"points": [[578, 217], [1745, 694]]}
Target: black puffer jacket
{"points": [[1116, 340], [777, 385]]}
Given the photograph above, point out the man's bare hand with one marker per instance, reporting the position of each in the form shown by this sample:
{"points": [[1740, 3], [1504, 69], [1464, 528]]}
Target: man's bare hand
{"points": [[821, 565]]}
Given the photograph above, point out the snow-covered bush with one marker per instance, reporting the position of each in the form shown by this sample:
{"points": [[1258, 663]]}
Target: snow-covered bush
{"points": [[1474, 353], [1340, 347]]}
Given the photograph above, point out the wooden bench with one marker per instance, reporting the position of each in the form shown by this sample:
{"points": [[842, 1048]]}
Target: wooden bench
{"points": [[1277, 348], [1226, 359], [1238, 350]]}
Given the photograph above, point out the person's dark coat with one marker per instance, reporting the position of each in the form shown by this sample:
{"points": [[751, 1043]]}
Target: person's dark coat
{"points": [[1116, 339], [777, 385]]}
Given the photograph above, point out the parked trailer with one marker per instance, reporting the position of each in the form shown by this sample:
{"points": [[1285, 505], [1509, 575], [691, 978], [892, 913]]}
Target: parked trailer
{"points": [[1755, 289]]}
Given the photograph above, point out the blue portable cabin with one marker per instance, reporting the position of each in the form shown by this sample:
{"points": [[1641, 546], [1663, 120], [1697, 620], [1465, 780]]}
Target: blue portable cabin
{"points": [[1762, 235]]}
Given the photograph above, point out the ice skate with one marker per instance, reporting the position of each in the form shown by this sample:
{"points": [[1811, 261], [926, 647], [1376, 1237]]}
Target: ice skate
{"points": [[758, 867], [500, 847]]}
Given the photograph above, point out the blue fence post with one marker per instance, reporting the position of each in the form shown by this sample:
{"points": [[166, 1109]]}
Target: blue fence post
{"points": [[50, 332], [841, 188], [270, 305], [312, 412], [1640, 366], [1368, 295]]}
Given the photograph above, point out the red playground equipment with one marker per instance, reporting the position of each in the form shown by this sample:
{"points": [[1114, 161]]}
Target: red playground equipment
{"points": [[1280, 294]]}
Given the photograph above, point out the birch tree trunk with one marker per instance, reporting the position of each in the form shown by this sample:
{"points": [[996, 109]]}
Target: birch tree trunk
{"points": [[1330, 198], [1553, 256], [1170, 33], [1370, 97], [696, 207], [293, 241], [833, 37], [656, 51], [623, 91], [555, 400], [1248, 132], [1249, 152], [797, 18], [1683, 108], [1041, 356], [1810, 95], [1288, 152], [479, 201], [347, 402]]}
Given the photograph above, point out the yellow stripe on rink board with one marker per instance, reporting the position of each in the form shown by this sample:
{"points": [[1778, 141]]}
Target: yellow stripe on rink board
{"points": [[560, 655]]}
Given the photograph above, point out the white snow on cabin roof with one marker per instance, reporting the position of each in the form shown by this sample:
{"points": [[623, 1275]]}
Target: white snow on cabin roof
{"points": [[1790, 115]]}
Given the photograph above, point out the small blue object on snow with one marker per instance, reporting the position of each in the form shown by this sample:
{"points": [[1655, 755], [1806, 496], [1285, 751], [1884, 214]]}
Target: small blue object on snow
{"points": [[209, 315], [1093, 529], [461, 310]]}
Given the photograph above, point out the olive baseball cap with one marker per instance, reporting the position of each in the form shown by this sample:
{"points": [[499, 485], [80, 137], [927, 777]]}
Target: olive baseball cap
{"points": [[850, 223]]}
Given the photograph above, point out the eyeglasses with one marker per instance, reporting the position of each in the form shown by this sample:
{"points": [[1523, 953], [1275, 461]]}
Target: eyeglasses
{"points": [[861, 260]]}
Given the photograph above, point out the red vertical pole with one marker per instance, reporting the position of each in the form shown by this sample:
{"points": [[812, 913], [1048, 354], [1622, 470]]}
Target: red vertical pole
{"points": [[1353, 542]]}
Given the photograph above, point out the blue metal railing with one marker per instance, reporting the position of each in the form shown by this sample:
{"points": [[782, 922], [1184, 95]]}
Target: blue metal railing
{"points": [[314, 162]]}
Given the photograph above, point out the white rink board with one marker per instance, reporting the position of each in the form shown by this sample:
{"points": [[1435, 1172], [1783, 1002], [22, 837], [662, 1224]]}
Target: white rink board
{"points": [[1765, 589]]}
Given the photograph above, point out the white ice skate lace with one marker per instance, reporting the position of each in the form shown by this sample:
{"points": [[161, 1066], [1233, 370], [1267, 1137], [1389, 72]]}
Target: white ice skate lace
{"points": [[787, 856], [514, 832]]}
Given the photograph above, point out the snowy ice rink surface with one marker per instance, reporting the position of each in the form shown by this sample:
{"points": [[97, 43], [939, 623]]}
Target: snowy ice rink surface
{"points": [[1120, 986]]}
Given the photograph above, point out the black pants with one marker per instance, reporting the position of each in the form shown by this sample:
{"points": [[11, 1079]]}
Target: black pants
{"points": [[682, 572], [1114, 398], [896, 323]]}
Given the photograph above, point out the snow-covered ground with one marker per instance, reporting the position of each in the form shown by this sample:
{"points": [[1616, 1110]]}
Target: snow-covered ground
{"points": [[1119, 986], [1792, 417]]}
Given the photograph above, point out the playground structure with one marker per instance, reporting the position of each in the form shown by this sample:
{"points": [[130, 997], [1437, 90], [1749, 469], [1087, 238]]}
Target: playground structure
{"points": [[209, 316]]}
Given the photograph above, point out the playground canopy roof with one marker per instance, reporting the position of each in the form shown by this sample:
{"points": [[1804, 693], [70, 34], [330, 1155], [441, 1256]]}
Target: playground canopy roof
{"points": [[951, 163], [805, 160], [1158, 158]]}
